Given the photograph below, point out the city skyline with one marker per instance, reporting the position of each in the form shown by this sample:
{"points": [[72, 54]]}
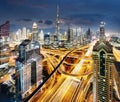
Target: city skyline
{"points": [[86, 13], [77, 66]]}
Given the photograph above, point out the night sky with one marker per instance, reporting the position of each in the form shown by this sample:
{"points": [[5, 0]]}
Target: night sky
{"points": [[86, 13]]}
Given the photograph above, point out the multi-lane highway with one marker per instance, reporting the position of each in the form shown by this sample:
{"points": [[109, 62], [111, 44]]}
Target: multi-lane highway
{"points": [[68, 86]]}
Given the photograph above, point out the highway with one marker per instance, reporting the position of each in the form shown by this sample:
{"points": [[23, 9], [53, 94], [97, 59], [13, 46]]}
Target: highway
{"points": [[72, 85], [60, 90], [116, 54]]}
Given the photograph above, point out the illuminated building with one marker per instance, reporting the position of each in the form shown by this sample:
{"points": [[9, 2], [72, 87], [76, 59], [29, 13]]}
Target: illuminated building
{"points": [[20, 34], [47, 39], [88, 35], [57, 25], [29, 65], [28, 33], [24, 33], [35, 31], [70, 35], [4, 55], [41, 36], [51, 38], [103, 61]]}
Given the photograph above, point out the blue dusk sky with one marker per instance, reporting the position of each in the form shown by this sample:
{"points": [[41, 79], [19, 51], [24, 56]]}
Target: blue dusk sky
{"points": [[87, 13]]}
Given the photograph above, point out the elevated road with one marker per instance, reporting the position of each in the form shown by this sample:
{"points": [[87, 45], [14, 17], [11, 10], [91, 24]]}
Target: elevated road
{"points": [[59, 90], [71, 86]]}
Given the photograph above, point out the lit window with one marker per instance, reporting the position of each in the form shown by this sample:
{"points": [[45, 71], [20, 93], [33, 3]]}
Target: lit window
{"points": [[103, 97], [103, 88]]}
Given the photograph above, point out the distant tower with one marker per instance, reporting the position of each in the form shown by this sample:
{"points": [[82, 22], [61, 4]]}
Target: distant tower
{"points": [[88, 35], [28, 32], [103, 61], [24, 33], [35, 31], [41, 35], [102, 31], [20, 34], [70, 35], [57, 22]]}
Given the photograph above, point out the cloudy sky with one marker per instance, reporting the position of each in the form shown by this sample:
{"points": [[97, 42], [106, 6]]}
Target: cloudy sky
{"points": [[73, 12]]}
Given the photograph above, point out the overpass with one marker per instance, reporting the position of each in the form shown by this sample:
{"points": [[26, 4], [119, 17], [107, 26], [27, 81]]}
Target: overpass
{"points": [[83, 78]]}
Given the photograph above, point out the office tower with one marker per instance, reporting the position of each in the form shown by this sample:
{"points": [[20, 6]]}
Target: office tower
{"points": [[28, 33], [29, 67], [51, 39], [88, 35], [11, 36], [70, 35], [20, 34], [103, 60], [35, 31], [24, 33], [47, 39], [41, 36], [78, 35]]}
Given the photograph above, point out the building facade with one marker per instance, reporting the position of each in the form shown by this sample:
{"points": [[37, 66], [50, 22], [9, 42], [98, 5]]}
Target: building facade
{"points": [[4, 55], [70, 35], [29, 67], [35, 32], [103, 61]]}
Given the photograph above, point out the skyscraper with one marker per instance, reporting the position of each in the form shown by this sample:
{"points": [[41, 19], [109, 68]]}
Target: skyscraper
{"points": [[24, 33], [70, 35], [29, 67], [41, 36], [88, 35], [28, 33], [35, 31], [103, 60], [57, 22]]}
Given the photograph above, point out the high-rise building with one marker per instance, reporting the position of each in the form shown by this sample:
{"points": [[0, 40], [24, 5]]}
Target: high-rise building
{"points": [[35, 31], [28, 33], [47, 39], [5, 31], [41, 37], [57, 23], [24, 33], [29, 67], [20, 34], [88, 35], [70, 35], [103, 61]]}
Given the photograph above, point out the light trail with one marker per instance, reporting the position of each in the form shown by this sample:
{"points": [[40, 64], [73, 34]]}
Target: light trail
{"points": [[63, 89]]}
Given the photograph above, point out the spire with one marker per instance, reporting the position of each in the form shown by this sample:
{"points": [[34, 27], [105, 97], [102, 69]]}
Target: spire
{"points": [[57, 21]]}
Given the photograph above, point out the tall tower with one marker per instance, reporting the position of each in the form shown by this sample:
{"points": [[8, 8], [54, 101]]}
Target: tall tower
{"points": [[70, 35], [103, 60], [57, 22], [102, 31], [41, 35], [24, 33], [35, 31]]}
